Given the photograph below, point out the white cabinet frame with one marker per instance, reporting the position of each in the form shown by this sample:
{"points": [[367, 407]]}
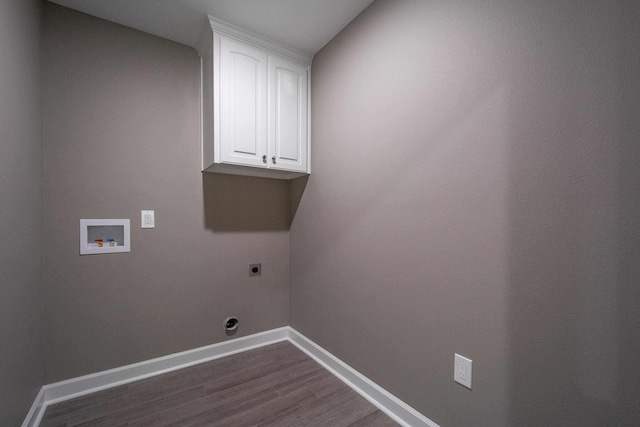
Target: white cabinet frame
{"points": [[272, 137]]}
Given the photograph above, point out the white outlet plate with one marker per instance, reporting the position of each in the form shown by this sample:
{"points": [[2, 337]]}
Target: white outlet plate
{"points": [[462, 370], [147, 219]]}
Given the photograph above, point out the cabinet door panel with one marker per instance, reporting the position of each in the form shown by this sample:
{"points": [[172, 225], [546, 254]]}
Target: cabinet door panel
{"points": [[243, 112], [288, 126], [288, 135]]}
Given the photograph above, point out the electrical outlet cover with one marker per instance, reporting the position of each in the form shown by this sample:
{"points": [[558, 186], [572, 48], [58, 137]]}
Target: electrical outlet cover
{"points": [[255, 270], [147, 219], [462, 369]]}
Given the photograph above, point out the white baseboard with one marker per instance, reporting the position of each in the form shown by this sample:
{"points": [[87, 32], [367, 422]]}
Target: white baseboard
{"points": [[402, 413], [75, 387]]}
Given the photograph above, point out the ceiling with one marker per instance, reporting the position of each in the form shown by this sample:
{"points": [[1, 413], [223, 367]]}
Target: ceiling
{"points": [[304, 25]]}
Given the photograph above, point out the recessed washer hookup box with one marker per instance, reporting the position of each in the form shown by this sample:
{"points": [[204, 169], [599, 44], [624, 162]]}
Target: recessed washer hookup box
{"points": [[104, 236]]}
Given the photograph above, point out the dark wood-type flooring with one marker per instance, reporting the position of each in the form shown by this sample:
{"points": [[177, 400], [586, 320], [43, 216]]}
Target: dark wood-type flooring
{"points": [[276, 385]]}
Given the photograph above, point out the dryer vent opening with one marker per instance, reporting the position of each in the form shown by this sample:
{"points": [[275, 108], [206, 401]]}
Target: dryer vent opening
{"points": [[231, 323]]}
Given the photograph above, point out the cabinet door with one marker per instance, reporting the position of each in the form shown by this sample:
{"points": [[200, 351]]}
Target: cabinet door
{"points": [[288, 131], [243, 103]]}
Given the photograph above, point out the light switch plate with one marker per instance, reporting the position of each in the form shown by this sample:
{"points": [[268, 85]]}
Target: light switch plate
{"points": [[147, 219], [462, 370]]}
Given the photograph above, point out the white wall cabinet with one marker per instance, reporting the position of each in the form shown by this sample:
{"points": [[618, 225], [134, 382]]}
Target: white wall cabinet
{"points": [[255, 104]]}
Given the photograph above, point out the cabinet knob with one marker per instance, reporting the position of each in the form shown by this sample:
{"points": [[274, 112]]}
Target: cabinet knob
{"points": [[264, 158], [273, 159]]}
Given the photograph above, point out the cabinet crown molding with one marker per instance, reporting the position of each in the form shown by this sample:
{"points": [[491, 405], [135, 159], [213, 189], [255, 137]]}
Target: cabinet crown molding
{"points": [[221, 27]]}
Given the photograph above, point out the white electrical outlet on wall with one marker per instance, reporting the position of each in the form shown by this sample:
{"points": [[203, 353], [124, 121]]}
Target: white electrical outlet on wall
{"points": [[462, 370], [147, 219]]}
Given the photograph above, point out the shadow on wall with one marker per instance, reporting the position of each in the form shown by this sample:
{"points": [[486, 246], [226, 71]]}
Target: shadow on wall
{"points": [[244, 203]]}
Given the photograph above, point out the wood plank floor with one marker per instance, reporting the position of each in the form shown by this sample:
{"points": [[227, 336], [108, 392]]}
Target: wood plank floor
{"points": [[276, 385]]}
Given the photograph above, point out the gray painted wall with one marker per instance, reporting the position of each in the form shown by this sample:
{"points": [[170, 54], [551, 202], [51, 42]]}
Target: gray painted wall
{"points": [[121, 134], [21, 357], [475, 189]]}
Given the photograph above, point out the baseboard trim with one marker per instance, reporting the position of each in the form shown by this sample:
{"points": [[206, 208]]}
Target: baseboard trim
{"points": [[402, 413], [80, 386], [37, 410]]}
